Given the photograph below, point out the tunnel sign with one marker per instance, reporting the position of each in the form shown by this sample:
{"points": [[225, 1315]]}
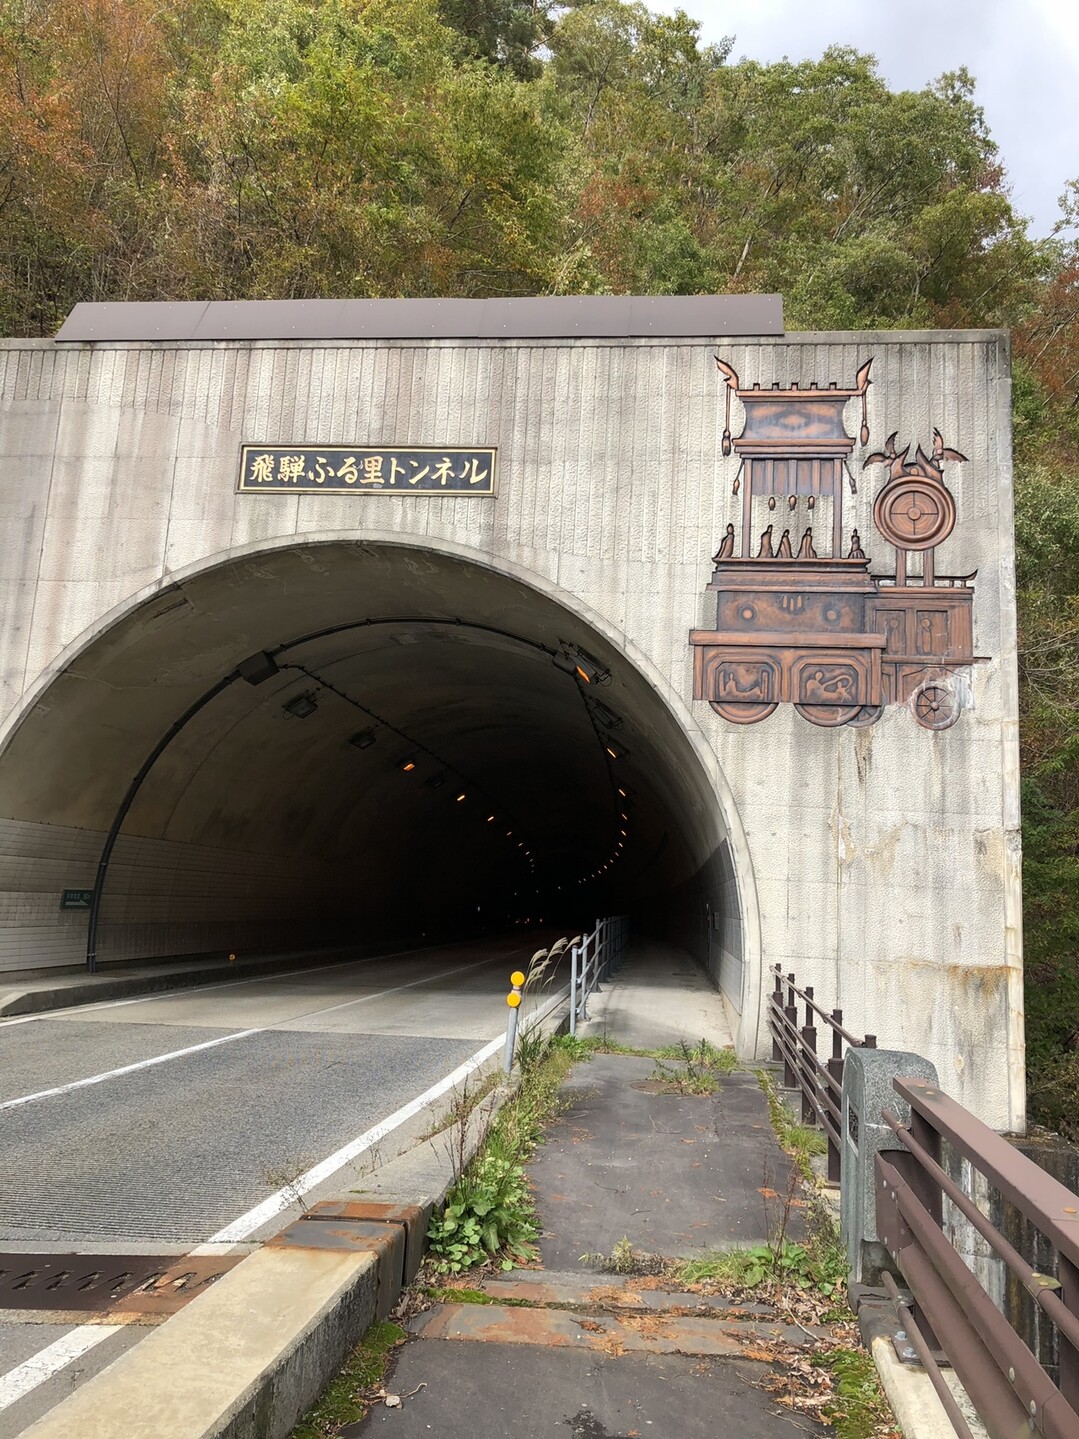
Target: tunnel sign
{"points": [[367, 469], [76, 899]]}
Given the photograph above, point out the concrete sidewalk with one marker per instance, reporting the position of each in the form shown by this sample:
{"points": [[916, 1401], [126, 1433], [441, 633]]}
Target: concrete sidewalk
{"points": [[573, 1348]]}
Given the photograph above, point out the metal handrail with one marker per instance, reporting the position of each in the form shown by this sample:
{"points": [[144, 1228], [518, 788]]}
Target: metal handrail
{"points": [[820, 1082], [1010, 1388], [592, 960]]}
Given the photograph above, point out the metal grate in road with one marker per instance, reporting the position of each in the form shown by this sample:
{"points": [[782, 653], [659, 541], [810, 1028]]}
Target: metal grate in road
{"points": [[149, 1284]]}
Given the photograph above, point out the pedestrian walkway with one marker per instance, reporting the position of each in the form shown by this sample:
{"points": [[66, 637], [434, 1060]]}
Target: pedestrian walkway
{"points": [[628, 1174]]}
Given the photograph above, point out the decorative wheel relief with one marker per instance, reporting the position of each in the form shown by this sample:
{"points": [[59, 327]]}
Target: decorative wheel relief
{"points": [[935, 705], [743, 713], [867, 715], [914, 514], [829, 716]]}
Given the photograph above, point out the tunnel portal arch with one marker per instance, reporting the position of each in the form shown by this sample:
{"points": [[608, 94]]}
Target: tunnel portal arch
{"points": [[283, 807]]}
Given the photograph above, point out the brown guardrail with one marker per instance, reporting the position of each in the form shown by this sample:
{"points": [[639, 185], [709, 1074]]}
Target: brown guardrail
{"points": [[951, 1312], [821, 1084]]}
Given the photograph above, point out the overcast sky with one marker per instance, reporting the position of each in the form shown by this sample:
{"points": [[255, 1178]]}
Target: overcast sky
{"points": [[1024, 55]]}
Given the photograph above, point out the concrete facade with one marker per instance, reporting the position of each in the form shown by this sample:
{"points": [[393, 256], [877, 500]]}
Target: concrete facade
{"points": [[880, 864]]}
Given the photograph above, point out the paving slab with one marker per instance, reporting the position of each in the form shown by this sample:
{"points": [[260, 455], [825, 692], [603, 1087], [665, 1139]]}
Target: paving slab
{"points": [[477, 1391], [674, 1174]]}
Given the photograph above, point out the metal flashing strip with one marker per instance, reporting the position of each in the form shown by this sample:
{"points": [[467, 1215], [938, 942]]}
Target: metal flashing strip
{"points": [[531, 317]]}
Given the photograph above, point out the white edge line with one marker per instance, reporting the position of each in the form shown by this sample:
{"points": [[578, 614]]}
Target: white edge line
{"points": [[287, 1196], [40, 1367], [25, 1377], [228, 1039]]}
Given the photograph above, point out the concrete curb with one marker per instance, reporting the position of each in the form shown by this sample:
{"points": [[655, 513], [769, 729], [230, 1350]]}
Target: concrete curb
{"points": [[915, 1403], [41, 999], [249, 1357]]}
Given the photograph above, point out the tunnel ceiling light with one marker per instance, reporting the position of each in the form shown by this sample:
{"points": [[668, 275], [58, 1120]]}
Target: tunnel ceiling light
{"points": [[575, 661], [257, 667], [490, 819], [461, 797], [406, 765], [605, 715], [364, 739], [436, 781], [301, 706], [615, 750]]}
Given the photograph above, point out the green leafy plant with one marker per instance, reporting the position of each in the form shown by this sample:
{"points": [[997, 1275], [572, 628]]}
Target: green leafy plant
{"points": [[488, 1212]]}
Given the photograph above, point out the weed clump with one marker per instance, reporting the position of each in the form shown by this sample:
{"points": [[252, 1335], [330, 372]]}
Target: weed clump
{"points": [[489, 1214]]}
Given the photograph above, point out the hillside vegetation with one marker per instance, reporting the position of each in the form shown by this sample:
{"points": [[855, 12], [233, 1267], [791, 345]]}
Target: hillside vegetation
{"points": [[181, 149]]}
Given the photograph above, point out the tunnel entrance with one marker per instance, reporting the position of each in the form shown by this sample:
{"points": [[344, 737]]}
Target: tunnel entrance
{"points": [[369, 743]]}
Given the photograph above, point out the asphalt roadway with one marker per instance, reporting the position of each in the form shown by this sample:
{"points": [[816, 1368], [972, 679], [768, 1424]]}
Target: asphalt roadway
{"points": [[172, 1121]]}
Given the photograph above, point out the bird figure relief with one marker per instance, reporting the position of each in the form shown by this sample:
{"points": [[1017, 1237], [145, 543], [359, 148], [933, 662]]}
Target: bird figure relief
{"points": [[930, 467], [896, 460]]}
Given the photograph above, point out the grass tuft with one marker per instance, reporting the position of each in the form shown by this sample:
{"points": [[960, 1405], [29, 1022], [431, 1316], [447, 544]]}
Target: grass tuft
{"points": [[344, 1401]]}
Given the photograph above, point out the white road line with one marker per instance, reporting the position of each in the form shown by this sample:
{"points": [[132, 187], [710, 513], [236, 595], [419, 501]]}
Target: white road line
{"points": [[47, 1362], [284, 1198], [227, 1039], [289, 1194], [26, 1376], [185, 992]]}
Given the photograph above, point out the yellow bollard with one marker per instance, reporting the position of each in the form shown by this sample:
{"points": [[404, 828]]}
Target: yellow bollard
{"points": [[513, 999]]}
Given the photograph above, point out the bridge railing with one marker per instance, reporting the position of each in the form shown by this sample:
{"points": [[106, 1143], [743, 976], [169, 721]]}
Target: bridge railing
{"points": [[820, 1082], [1011, 1390]]}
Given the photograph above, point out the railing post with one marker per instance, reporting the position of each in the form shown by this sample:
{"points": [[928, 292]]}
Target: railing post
{"points": [[777, 1010], [807, 1064], [573, 990], [1068, 1356], [790, 1016], [835, 1071], [920, 1180]]}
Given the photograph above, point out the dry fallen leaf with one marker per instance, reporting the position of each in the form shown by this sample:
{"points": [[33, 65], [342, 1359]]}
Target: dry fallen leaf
{"points": [[393, 1401]]}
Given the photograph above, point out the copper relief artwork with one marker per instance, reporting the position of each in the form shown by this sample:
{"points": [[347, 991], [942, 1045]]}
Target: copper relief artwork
{"points": [[803, 620]]}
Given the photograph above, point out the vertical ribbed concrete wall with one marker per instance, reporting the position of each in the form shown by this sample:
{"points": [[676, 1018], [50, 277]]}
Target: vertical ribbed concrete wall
{"points": [[880, 864]]}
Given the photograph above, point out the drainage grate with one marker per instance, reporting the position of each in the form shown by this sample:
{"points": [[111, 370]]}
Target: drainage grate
{"points": [[149, 1284]]}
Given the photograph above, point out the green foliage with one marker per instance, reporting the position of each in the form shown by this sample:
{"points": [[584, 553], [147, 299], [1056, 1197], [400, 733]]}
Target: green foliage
{"points": [[818, 1266], [532, 1049], [343, 1401], [859, 1409], [704, 1053], [488, 1211], [573, 1047]]}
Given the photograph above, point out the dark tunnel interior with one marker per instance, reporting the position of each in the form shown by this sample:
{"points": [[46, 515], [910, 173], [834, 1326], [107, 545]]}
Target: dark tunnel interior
{"points": [[367, 742]]}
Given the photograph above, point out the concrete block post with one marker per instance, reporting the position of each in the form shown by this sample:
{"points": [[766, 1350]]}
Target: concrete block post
{"points": [[867, 1092]]}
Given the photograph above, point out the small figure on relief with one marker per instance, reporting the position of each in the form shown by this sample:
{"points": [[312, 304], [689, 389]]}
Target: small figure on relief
{"points": [[805, 549], [726, 547], [784, 552], [766, 552], [856, 552]]}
